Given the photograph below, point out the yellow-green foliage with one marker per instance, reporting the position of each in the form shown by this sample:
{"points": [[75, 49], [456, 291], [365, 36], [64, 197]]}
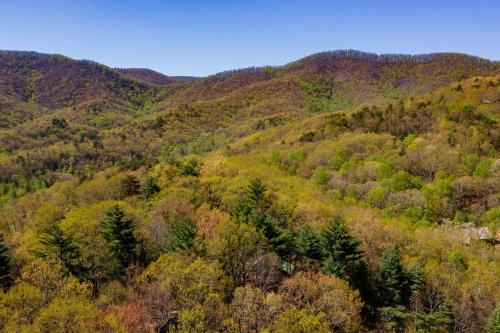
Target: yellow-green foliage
{"points": [[420, 173]]}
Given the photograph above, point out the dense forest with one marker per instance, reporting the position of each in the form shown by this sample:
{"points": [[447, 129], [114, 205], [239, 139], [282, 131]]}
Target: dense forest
{"points": [[343, 192]]}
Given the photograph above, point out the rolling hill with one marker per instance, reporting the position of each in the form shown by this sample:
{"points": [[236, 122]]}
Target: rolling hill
{"points": [[345, 191]]}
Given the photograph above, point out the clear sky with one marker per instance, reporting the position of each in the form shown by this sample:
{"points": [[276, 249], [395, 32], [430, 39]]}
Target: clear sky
{"points": [[186, 37]]}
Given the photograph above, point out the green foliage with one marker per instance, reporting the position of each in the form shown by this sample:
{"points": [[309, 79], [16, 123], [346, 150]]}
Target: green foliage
{"points": [[482, 169], [183, 232], [321, 177], [59, 123], [130, 185], [233, 245], [256, 191], [254, 209], [457, 259], [191, 320], [322, 97], [402, 180], [491, 218], [384, 171], [377, 196], [241, 258], [5, 270], [338, 159], [57, 246], [193, 281], [280, 239], [190, 168], [470, 162], [417, 216], [349, 165], [301, 321], [308, 243], [399, 317], [493, 325], [393, 278], [343, 256], [120, 234], [416, 277], [149, 187], [440, 188]]}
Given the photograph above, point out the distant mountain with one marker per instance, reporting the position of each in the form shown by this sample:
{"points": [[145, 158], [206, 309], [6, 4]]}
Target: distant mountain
{"points": [[326, 81], [56, 81], [152, 77], [350, 77]]}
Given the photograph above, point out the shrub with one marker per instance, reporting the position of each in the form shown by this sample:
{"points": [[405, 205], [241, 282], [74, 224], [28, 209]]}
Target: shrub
{"points": [[321, 177], [377, 196], [402, 180], [338, 159]]}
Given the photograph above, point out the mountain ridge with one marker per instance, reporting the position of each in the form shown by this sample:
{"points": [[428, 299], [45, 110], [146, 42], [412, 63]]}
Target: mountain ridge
{"points": [[244, 190]]}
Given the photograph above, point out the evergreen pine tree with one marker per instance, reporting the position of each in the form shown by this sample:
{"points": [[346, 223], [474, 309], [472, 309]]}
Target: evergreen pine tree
{"points": [[183, 232], [444, 316], [394, 280], [57, 246], [343, 256], [256, 192], [4, 264], [399, 318], [149, 188], [415, 277], [309, 243], [130, 185], [279, 238], [119, 232]]}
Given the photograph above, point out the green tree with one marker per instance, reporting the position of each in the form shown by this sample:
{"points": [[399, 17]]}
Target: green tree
{"points": [[149, 187], [190, 168], [377, 196], [400, 319], [402, 180], [4, 264], [256, 192], [482, 169], [280, 239], [119, 232], [254, 209], [321, 177], [470, 161], [308, 243], [343, 256], [393, 278], [130, 185], [59, 122], [415, 276], [55, 245], [233, 245], [300, 321], [183, 232]]}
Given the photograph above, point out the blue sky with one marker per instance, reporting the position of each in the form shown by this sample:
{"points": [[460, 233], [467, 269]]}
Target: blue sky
{"points": [[204, 37]]}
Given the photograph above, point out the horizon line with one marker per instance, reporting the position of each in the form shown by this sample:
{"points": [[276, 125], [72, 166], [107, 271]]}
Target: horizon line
{"points": [[340, 52]]}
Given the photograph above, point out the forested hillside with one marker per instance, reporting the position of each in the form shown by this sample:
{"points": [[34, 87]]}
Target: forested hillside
{"points": [[343, 192]]}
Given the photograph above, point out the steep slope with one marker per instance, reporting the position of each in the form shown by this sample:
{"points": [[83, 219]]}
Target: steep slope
{"points": [[55, 81], [307, 214], [348, 77], [111, 118]]}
